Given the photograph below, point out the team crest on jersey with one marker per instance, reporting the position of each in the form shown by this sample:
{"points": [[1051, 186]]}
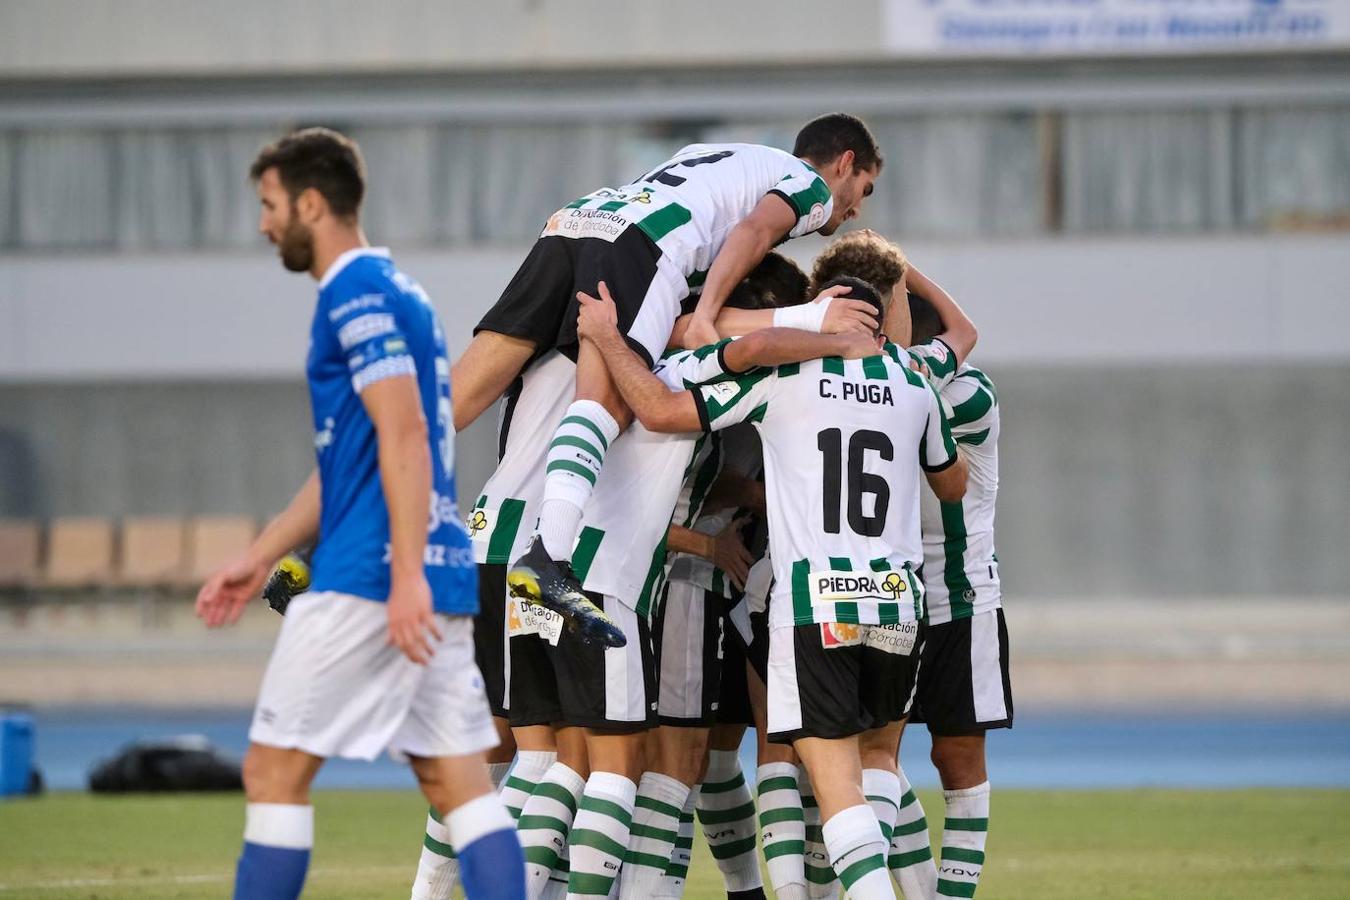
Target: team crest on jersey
{"points": [[834, 587], [839, 634], [480, 520], [816, 217]]}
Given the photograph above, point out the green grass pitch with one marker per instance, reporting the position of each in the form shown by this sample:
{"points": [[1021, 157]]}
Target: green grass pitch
{"points": [[1042, 844]]}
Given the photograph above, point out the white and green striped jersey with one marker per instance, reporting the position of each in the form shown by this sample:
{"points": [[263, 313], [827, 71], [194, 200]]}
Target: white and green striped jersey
{"points": [[844, 442], [960, 567], [738, 452], [621, 548], [938, 361], [689, 204], [502, 520]]}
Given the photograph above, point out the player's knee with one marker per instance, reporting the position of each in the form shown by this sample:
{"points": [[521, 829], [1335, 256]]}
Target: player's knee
{"points": [[959, 761], [431, 780], [269, 779]]}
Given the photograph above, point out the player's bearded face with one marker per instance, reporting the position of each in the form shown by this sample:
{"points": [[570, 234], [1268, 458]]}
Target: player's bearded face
{"points": [[848, 198], [296, 244]]}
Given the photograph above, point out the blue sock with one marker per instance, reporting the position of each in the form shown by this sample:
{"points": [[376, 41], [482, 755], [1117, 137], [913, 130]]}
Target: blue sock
{"points": [[491, 863], [277, 841]]}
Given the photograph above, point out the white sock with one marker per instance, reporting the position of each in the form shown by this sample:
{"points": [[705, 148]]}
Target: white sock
{"points": [[677, 872], [286, 825], [525, 776], [821, 881], [963, 837], [858, 853], [575, 457], [727, 813], [782, 828], [545, 821], [883, 793], [600, 833], [477, 818], [911, 856], [655, 829]]}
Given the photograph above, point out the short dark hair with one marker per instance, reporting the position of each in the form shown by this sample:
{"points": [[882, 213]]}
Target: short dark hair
{"points": [[859, 290], [318, 158], [776, 282], [825, 139], [925, 323]]}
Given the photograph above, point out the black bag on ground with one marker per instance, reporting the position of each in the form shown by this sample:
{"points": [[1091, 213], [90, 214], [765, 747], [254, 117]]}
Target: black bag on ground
{"points": [[188, 763]]}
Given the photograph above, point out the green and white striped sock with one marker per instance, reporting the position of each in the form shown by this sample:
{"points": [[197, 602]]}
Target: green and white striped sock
{"points": [[782, 829], [529, 770], [882, 790], [727, 813], [858, 853], [575, 456], [437, 869], [600, 833], [656, 827], [963, 837], [911, 857], [677, 871], [544, 823], [821, 880]]}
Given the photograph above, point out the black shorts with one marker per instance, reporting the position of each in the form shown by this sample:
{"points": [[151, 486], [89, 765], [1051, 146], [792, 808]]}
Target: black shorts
{"points": [[700, 665], [758, 651], [576, 683], [489, 634], [733, 701], [540, 302], [963, 680], [834, 681]]}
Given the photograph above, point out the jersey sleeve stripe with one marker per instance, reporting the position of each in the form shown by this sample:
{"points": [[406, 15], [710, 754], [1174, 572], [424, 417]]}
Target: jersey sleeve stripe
{"points": [[803, 200], [704, 421], [389, 367]]}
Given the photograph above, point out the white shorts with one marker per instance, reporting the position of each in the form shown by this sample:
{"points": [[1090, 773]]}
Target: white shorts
{"points": [[335, 686]]}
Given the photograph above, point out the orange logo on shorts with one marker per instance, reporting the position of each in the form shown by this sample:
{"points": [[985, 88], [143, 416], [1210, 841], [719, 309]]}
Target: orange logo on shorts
{"points": [[839, 634]]}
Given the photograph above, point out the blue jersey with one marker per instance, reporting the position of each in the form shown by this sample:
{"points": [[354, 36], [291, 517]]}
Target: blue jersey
{"points": [[374, 322]]}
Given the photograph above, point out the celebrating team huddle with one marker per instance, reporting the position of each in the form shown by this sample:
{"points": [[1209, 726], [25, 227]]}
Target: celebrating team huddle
{"points": [[728, 495]]}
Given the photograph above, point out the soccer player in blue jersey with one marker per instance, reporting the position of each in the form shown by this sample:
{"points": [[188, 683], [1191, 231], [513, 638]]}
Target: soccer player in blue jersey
{"points": [[378, 654]]}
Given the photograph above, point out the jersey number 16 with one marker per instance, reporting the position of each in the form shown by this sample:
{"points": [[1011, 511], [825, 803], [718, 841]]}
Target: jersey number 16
{"points": [[860, 482]]}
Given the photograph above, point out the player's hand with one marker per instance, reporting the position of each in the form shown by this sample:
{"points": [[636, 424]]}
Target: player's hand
{"points": [[412, 624], [596, 317], [222, 599], [729, 553], [857, 345], [700, 332], [844, 314]]}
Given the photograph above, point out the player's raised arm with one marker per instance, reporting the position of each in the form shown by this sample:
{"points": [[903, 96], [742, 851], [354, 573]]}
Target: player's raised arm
{"points": [[777, 346], [958, 331], [768, 223], [395, 408], [827, 314], [223, 598]]}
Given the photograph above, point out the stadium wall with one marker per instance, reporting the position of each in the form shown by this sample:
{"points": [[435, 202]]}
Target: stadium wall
{"points": [[1163, 480], [1172, 406]]}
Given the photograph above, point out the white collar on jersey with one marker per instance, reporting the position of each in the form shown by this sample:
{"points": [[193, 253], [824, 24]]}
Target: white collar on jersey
{"points": [[341, 262]]}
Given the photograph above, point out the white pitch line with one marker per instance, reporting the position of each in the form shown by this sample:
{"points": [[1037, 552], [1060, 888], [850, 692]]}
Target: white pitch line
{"points": [[67, 883]]}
